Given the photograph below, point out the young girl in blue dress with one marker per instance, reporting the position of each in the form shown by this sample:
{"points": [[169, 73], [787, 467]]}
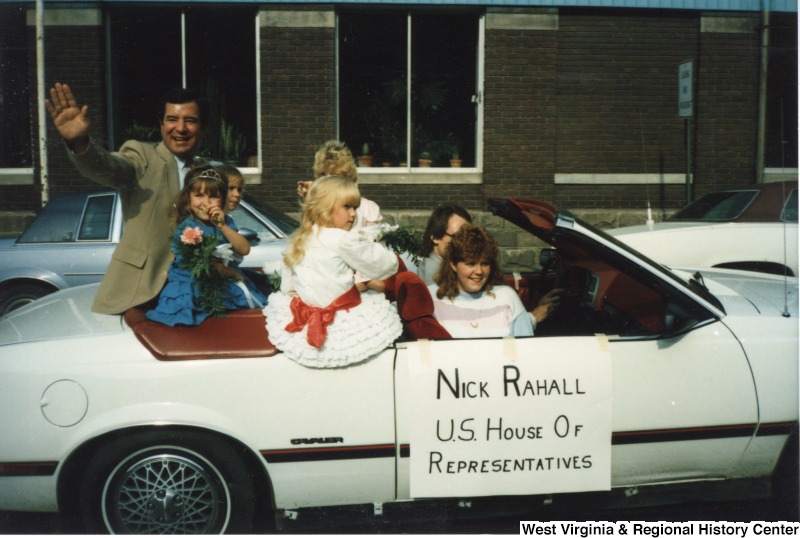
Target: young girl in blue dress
{"points": [[319, 318], [199, 210]]}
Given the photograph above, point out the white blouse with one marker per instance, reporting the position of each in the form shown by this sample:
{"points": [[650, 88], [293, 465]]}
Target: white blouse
{"points": [[367, 214], [428, 268], [480, 315], [326, 271]]}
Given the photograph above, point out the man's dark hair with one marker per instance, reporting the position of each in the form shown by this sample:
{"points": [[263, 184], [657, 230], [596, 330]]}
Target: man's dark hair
{"points": [[437, 225], [179, 96]]}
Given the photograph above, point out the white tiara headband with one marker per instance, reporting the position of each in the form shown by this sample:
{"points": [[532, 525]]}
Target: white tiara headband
{"points": [[211, 174]]}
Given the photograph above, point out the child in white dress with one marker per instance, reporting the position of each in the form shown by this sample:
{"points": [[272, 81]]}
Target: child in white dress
{"points": [[319, 319]]}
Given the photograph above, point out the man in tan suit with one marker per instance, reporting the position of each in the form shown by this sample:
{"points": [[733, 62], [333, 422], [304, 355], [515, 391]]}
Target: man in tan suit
{"points": [[148, 178]]}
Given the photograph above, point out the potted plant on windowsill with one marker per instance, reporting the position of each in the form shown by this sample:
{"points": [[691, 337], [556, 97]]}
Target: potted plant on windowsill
{"points": [[455, 159], [365, 159], [424, 160], [232, 143]]}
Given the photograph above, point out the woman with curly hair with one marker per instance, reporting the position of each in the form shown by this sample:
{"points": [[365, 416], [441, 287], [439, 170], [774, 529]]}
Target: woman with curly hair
{"points": [[469, 298]]}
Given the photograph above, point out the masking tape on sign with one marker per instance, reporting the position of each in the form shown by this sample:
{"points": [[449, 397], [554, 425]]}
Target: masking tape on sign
{"points": [[510, 348], [602, 342], [425, 352]]}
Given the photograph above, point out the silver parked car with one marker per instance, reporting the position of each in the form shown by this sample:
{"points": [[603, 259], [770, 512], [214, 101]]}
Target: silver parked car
{"points": [[71, 240]]}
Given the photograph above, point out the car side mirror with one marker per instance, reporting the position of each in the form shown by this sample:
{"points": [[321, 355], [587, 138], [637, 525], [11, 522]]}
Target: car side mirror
{"points": [[546, 256]]}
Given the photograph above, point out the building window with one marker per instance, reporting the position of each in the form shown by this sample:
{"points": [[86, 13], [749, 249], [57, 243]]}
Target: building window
{"points": [[15, 91], [204, 49], [409, 86]]}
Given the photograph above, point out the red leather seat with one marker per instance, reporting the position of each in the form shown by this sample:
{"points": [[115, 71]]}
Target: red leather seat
{"points": [[521, 286], [390, 284], [242, 334], [415, 306]]}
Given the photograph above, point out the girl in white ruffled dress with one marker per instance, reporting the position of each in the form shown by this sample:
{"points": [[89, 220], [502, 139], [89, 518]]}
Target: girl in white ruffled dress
{"points": [[319, 318]]}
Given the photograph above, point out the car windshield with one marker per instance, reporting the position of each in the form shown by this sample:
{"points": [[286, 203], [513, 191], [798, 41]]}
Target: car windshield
{"points": [[57, 222], [789, 213], [694, 283], [717, 206], [281, 220]]}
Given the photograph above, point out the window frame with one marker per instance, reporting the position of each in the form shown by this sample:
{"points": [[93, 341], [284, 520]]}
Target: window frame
{"points": [[418, 175], [251, 174]]}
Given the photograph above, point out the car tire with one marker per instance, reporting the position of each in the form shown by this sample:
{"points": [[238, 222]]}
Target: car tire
{"points": [[785, 482], [167, 482], [18, 295]]}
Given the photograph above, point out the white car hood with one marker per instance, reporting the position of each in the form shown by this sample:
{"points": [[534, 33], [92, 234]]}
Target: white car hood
{"points": [[659, 227], [64, 314], [747, 292]]}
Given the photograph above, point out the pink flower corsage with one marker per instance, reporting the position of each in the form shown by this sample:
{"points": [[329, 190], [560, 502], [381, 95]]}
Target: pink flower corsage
{"points": [[192, 236]]}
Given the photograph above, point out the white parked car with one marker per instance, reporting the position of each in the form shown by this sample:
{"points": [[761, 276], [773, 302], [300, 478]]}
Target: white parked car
{"points": [[649, 385], [753, 228]]}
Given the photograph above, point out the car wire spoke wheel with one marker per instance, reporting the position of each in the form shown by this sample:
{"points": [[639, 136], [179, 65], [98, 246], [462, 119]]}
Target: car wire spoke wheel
{"points": [[168, 482], [166, 492]]}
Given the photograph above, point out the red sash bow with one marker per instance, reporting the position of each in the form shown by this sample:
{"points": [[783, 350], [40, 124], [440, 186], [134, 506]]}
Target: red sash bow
{"points": [[319, 318]]}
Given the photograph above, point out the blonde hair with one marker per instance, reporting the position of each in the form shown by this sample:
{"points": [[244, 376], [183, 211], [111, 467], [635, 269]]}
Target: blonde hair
{"points": [[231, 173], [334, 158], [324, 194]]}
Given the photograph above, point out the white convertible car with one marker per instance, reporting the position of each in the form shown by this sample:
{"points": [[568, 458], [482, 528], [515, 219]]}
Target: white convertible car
{"points": [[648, 385]]}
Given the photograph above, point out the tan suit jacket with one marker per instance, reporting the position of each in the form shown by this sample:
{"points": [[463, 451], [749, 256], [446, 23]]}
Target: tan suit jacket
{"points": [[146, 176]]}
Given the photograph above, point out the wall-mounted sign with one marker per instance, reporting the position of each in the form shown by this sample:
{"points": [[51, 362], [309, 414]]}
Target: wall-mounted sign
{"points": [[685, 93]]}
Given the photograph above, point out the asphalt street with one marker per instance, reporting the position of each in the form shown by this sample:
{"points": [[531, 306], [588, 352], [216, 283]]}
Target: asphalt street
{"points": [[440, 520]]}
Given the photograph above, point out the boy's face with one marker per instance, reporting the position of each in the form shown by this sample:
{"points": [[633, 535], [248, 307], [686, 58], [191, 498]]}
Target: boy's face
{"points": [[235, 189]]}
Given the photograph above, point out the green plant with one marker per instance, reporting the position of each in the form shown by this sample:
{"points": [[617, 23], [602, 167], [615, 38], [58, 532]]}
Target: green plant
{"points": [[402, 239], [231, 142], [196, 255], [137, 131], [365, 149], [274, 279], [391, 140], [383, 118], [444, 148]]}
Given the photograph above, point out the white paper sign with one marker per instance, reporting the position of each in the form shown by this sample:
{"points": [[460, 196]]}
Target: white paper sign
{"points": [[510, 417]]}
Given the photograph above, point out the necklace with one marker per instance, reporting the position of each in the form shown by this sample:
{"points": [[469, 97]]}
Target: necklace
{"points": [[474, 319]]}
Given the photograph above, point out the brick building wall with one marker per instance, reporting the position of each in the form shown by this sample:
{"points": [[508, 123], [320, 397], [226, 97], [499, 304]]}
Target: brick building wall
{"points": [[298, 106], [298, 92], [594, 93], [569, 91], [75, 55], [727, 111], [520, 134], [618, 102]]}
